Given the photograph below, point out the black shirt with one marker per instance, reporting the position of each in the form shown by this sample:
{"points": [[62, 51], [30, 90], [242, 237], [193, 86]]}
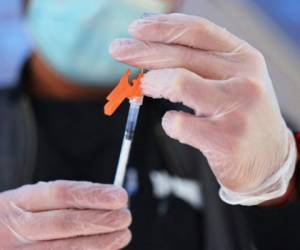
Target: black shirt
{"points": [[77, 142]]}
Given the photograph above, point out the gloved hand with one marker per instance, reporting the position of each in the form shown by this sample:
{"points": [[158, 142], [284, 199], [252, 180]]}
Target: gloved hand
{"points": [[64, 215], [237, 122]]}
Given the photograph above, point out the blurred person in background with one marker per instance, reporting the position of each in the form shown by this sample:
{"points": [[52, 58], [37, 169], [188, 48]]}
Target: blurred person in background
{"points": [[65, 136]]}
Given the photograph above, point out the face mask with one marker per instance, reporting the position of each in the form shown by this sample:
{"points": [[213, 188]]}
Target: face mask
{"points": [[73, 36]]}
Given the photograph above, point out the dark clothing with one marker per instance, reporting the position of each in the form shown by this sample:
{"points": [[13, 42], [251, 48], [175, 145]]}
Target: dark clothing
{"points": [[75, 141], [275, 228], [17, 139]]}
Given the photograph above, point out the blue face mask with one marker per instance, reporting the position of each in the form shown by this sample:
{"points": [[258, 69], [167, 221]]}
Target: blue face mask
{"points": [[73, 36]]}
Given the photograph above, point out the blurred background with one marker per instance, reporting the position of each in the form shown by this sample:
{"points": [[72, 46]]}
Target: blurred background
{"points": [[271, 26]]}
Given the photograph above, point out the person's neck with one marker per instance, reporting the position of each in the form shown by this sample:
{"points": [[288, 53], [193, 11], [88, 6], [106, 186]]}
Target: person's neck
{"points": [[43, 82]]}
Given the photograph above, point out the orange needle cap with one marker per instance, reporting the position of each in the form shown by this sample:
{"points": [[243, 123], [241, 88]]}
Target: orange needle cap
{"points": [[122, 91]]}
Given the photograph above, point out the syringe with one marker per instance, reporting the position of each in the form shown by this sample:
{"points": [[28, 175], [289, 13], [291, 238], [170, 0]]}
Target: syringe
{"points": [[132, 118]]}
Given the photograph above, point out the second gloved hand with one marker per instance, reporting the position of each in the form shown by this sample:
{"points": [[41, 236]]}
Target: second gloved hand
{"points": [[237, 123], [64, 215]]}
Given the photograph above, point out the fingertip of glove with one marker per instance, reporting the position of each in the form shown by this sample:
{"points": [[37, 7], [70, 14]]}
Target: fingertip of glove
{"points": [[118, 44], [117, 198], [170, 123], [139, 24], [123, 238]]}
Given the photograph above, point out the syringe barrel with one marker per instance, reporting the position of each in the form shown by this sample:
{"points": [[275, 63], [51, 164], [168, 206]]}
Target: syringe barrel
{"points": [[132, 118]]}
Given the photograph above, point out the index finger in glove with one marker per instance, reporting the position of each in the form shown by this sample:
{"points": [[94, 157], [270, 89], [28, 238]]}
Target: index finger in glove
{"points": [[68, 194], [186, 30], [205, 97]]}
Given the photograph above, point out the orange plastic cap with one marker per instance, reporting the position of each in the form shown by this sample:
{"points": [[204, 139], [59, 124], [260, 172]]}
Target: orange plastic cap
{"points": [[124, 90]]}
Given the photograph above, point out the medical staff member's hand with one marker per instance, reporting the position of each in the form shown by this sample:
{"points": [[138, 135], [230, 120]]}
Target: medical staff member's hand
{"points": [[236, 123], [64, 215]]}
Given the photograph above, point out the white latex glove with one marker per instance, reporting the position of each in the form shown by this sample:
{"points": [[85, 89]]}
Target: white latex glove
{"points": [[64, 215], [236, 123]]}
